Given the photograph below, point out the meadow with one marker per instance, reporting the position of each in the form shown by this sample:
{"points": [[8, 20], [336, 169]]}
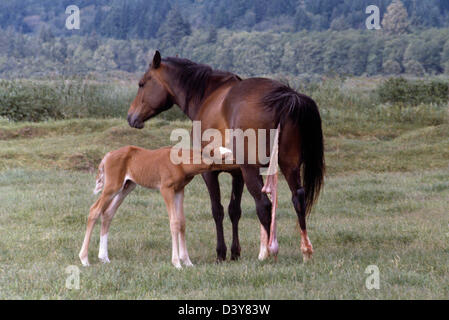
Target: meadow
{"points": [[385, 203]]}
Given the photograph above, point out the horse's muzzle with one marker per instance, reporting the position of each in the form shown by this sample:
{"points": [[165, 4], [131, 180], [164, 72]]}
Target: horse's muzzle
{"points": [[134, 121]]}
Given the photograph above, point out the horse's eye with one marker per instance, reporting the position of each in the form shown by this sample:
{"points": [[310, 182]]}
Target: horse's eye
{"points": [[141, 84]]}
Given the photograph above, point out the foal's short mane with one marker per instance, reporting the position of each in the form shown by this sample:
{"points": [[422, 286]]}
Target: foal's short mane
{"points": [[194, 78]]}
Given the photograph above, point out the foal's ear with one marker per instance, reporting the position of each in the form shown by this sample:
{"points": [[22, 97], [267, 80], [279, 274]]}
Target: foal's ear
{"points": [[157, 60]]}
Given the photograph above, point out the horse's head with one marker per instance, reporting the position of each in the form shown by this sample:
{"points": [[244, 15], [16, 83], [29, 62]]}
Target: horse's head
{"points": [[153, 95]]}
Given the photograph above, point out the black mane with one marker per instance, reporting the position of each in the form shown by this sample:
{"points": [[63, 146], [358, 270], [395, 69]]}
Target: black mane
{"points": [[194, 78]]}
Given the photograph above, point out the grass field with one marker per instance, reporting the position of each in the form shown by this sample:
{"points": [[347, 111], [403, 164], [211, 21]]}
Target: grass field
{"points": [[385, 203]]}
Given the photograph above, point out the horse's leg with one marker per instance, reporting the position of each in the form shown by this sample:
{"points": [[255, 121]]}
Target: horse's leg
{"points": [[95, 211], [107, 216], [235, 211], [263, 249], [170, 200], [292, 175], [179, 206], [254, 183], [211, 180]]}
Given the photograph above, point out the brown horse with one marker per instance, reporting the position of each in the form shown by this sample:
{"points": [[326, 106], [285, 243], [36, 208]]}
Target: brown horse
{"points": [[222, 100]]}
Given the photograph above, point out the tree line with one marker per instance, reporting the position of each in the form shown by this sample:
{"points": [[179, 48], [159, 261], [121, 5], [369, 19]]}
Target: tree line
{"points": [[350, 52], [398, 48]]}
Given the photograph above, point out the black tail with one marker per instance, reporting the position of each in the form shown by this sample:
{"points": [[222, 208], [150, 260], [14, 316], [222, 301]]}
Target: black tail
{"points": [[288, 105]]}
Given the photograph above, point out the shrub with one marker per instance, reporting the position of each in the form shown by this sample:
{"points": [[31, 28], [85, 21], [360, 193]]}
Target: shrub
{"points": [[414, 67], [41, 100], [401, 90], [19, 102], [23, 100], [391, 67]]}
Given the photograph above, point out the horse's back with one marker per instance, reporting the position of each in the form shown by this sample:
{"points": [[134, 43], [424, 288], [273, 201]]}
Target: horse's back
{"points": [[244, 105]]}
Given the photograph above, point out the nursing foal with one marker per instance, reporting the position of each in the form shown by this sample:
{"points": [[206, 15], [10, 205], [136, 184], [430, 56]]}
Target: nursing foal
{"points": [[118, 174]]}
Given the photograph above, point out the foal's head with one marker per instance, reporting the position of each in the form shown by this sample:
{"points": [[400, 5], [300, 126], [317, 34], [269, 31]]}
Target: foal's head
{"points": [[153, 95]]}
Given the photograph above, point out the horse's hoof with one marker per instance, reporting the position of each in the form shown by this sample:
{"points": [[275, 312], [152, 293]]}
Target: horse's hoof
{"points": [[221, 257], [307, 257], [307, 254], [235, 254]]}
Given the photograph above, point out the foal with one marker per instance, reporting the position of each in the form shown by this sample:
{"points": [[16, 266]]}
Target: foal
{"points": [[118, 174]]}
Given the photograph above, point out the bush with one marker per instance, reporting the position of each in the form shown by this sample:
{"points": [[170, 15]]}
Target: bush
{"points": [[19, 102], [401, 90], [414, 67], [34, 101], [42, 100], [391, 67], [424, 114]]}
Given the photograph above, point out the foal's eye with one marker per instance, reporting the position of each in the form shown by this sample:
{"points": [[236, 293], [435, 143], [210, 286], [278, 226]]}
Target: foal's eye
{"points": [[141, 84]]}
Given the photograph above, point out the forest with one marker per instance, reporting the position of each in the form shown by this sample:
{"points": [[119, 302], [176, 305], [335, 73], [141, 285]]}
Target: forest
{"points": [[292, 38]]}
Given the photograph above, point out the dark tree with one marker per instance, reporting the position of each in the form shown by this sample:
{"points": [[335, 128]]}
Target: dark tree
{"points": [[174, 28]]}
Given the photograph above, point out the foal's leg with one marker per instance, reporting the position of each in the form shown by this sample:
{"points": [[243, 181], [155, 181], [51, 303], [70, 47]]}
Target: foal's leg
{"points": [[292, 175], [235, 211], [254, 183], [175, 225], [179, 204], [211, 180], [97, 208], [107, 216]]}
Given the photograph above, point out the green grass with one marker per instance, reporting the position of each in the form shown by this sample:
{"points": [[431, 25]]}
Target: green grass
{"points": [[40, 100], [385, 203]]}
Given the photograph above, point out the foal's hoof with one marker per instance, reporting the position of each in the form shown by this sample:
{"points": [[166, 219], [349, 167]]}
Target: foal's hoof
{"points": [[104, 259], [84, 262], [186, 261], [177, 264]]}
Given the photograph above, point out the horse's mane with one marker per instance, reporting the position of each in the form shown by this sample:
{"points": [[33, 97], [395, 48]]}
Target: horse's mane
{"points": [[194, 78]]}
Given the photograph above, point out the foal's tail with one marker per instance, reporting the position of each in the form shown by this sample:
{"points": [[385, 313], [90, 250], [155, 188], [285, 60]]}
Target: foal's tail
{"points": [[289, 105], [99, 183]]}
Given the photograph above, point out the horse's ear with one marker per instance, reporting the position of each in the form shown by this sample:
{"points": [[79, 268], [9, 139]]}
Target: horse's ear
{"points": [[157, 60]]}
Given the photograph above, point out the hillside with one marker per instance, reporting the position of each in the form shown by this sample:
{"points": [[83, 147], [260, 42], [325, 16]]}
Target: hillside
{"points": [[295, 39]]}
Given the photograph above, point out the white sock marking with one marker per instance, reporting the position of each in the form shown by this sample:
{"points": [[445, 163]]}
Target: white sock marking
{"points": [[103, 253]]}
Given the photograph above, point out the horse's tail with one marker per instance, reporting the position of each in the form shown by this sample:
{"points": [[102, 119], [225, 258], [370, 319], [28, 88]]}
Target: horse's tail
{"points": [[289, 105], [99, 183]]}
